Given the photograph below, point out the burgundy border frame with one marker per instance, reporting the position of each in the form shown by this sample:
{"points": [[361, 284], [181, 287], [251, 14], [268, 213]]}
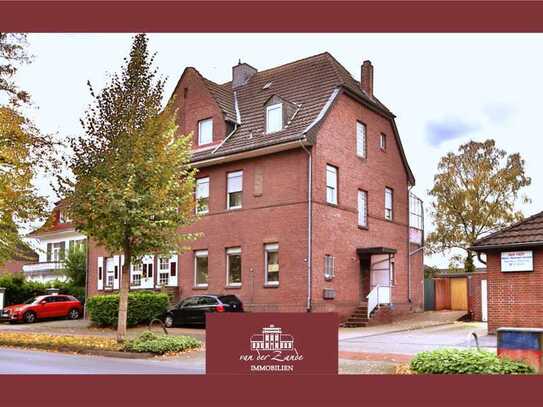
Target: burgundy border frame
{"points": [[270, 16]]}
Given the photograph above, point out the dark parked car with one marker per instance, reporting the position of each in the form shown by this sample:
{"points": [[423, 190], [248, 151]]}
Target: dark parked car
{"points": [[44, 306], [192, 310]]}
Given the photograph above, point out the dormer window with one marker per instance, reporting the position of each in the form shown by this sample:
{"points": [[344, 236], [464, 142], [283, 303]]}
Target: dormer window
{"points": [[63, 217], [274, 118], [205, 132]]}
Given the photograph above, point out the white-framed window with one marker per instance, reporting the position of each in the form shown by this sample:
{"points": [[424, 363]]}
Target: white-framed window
{"points": [[389, 203], [63, 217], [274, 118], [233, 267], [163, 270], [271, 264], [205, 132], [234, 190], [56, 251], [202, 195], [361, 139], [383, 141], [331, 184], [363, 208], [136, 280], [329, 267], [200, 268]]}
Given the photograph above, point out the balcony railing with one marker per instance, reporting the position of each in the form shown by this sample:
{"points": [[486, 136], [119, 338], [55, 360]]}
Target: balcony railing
{"points": [[43, 266]]}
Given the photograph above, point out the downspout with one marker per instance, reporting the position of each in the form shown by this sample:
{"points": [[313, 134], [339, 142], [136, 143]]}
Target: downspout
{"points": [[86, 278], [409, 244], [309, 225]]}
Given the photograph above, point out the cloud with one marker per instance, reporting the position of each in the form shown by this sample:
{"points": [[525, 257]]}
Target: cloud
{"points": [[448, 129], [498, 113]]}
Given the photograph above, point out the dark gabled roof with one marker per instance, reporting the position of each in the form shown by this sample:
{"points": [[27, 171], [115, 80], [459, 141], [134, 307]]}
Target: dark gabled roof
{"points": [[224, 97], [527, 233], [311, 84]]}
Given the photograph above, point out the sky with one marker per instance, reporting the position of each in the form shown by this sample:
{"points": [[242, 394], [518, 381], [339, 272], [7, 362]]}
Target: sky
{"points": [[445, 89]]}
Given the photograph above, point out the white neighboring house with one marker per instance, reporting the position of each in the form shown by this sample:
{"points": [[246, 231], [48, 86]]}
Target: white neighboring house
{"points": [[53, 240]]}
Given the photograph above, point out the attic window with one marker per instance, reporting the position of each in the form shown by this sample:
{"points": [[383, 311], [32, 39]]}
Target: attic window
{"points": [[267, 85], [274, 118]]}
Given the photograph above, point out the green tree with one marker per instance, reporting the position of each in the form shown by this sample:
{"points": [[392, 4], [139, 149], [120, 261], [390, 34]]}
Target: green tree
{"points": [[475, 193], [75, 265], [133, 183], [23, 153]]}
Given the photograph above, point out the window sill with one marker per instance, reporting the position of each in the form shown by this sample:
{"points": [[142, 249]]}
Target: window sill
{"points": [[333, 205], [199, 287], [363, 159], [232, 286], [363, 227], [268, 285], [234, 208]]}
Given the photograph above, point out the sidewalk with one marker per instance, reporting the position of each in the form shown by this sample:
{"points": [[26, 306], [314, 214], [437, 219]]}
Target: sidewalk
{"points": [[408, 323]]}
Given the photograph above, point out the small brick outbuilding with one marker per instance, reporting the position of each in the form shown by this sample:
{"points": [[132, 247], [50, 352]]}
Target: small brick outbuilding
{"points": [[514, 258]]}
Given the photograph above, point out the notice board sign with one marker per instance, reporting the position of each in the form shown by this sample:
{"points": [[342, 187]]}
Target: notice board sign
{"points": [[517, 261], [271, 343]]}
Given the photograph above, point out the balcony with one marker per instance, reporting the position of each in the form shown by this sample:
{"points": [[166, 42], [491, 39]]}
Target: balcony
{"points": [[43, 267]]}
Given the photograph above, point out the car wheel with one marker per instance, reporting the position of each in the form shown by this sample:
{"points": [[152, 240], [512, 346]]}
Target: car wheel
{"points": [[168, 321], [29, 317], [73, 314]]}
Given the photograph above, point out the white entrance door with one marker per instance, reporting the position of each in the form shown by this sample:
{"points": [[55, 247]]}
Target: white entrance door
{"points": [[484, 300]]}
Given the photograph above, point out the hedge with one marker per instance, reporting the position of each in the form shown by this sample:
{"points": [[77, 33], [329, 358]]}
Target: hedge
{"points": [[161, 344], [143, 306], [453, 361], [18, 290]]}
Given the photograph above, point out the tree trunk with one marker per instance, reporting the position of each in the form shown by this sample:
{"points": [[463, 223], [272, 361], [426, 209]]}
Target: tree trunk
{"points": [[123, 297]]}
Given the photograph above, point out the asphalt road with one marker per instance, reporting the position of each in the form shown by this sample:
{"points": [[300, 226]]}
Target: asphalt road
{"points": [[455, 335], [17, 361]]}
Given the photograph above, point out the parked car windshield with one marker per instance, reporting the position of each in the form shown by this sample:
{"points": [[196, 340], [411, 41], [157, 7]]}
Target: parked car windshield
{"points": [[31, 300]]}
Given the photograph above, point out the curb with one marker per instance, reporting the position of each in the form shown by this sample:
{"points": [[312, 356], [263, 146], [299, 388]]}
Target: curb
{"points": [[89, 352]]}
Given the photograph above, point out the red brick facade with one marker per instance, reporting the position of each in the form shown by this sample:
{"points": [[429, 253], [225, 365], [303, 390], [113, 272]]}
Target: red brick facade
{"points": [[275, 210], [515, 299]]}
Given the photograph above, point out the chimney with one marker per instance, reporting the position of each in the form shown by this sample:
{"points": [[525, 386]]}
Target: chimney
{"points": [[241, 73], [366, 78]]}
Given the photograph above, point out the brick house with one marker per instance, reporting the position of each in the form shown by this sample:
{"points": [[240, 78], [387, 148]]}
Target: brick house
{"points": [[25, 255], [304, 192], [54, 238], [514, 263]]}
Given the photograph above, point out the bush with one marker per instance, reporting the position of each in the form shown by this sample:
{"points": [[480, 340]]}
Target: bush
{"points": [[160, 344], [19, 290], [452, 361], [143, 306]]}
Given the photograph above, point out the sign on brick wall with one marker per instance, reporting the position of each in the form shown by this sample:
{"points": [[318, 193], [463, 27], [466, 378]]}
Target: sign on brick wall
{"points": [[517, 261], [272, 343]]}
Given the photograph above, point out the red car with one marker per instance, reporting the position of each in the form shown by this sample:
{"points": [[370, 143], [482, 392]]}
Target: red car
{"points": [[44, 306]]}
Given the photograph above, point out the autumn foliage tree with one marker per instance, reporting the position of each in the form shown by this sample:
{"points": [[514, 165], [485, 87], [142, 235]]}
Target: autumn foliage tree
{"points": [[475, 193], [24, 152], [133, 185]]}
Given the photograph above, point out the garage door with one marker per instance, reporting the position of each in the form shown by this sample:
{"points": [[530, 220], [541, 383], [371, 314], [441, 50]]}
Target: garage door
{"points": [[459, 294]]}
